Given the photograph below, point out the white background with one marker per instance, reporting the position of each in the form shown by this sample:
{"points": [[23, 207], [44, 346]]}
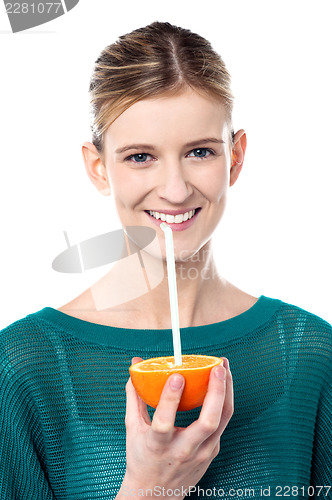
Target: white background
{"points": [[275, 238]]}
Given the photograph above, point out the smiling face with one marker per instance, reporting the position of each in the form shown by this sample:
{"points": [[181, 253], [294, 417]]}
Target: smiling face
{"points": [[169, 159]]}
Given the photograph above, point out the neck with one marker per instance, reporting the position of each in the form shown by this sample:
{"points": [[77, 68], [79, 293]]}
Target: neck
{"points": [[134, 294], [146, 293]]}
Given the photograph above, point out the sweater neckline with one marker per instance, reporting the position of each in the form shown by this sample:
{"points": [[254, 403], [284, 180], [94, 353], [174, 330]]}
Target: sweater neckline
{"points": [[227, 330]]}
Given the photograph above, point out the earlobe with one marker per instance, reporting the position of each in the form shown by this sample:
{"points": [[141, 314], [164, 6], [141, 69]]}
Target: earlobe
{"points": [[235, 172], [95, 168]]}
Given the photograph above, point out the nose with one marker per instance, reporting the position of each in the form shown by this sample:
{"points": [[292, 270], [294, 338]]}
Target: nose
{"points": [[174, 186]]}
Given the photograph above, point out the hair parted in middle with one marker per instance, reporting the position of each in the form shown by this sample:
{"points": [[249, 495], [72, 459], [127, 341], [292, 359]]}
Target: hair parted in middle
{"points": [[158, 59]]}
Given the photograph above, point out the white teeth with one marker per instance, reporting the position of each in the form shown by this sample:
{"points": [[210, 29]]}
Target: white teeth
{"points": [[172, 219], [178, 219]]}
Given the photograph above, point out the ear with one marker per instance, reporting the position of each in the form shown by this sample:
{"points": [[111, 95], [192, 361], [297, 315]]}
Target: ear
{"points": [[238, 152], [95, 168]]}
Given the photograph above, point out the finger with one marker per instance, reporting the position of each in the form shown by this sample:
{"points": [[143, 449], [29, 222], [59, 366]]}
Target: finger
{"points": [[211, 412], [164, 417], [228, 408], [136, 409], [135, 360], [213, 442], [212, 408], [142, 407]]}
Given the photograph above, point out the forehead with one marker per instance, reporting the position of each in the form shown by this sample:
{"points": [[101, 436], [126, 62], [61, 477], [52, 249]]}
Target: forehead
{"points": [[175, 118]]}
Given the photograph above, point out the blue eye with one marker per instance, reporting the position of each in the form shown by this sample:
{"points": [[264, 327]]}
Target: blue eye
{"points": [[138, 157], [204, 151]]}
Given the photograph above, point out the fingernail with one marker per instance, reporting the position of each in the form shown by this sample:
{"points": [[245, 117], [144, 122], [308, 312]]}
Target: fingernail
{"points": [[226, 363], [176, 382], [220, 373]]}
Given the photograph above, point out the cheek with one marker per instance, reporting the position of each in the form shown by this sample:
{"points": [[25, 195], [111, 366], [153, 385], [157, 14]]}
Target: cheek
{"points": [[214, 187], [125, 189], [125, 197]]}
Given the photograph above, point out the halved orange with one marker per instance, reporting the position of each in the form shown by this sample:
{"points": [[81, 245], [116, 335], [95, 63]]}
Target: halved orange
{"points": [[149, 377]]}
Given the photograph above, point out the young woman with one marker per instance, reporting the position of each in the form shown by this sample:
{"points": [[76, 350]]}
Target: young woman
{"points": [[73, 427]]}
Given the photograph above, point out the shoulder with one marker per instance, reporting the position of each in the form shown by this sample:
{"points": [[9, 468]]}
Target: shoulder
{"points": [[300, 319], [26, 343], [26, 328], [304, 337], [292, 320]]}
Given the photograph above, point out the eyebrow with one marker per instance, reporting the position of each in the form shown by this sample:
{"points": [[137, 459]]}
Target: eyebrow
{"points": [[152, 148]]}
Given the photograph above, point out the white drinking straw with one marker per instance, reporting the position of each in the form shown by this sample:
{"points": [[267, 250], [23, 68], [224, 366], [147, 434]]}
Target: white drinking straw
{"points": [[173, 295]]}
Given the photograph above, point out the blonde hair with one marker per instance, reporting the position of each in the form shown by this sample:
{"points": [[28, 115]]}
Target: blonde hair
{"points": [[159, 59]]}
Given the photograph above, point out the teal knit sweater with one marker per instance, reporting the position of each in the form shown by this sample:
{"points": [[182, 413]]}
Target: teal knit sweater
{"points": [[62, 404]]}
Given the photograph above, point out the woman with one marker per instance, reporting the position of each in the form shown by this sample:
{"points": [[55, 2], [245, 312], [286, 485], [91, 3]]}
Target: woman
{"points": [[163, 148]]}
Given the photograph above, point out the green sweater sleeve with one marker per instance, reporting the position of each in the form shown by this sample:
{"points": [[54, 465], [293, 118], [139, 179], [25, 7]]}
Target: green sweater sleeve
{"points": [[322, 462], [21, 453]]}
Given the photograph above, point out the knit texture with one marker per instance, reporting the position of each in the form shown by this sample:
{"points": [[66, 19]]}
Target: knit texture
{"points": [[62, 403]]}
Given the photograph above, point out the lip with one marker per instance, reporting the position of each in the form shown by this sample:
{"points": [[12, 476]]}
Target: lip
{"points": [[176, 227]]}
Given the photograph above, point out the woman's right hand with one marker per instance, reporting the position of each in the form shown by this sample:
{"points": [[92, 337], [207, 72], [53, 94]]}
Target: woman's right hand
{"points": [[160, 455]]}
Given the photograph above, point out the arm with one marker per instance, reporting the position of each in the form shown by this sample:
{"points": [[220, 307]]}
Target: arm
{"points": [[159, 454], [21, 469], [321, 472]]}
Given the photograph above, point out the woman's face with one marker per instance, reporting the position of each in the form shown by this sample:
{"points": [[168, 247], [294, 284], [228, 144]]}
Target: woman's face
{"points": [[169, 159]]}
